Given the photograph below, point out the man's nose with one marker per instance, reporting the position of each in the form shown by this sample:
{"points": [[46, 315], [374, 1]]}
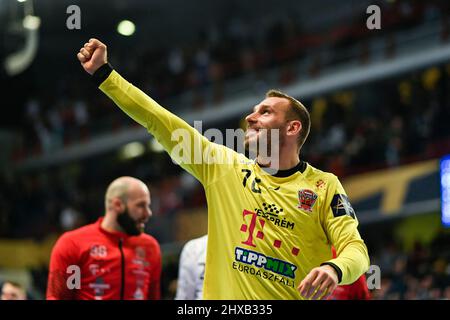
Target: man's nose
{"points": [[251, 118], [148, 213]]}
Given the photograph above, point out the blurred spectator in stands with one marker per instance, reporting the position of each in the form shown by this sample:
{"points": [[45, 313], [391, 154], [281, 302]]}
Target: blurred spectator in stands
{"points": [[446, 294], [398, 276], [81, 118], [70, 219], [395, 137], [12, 290]]}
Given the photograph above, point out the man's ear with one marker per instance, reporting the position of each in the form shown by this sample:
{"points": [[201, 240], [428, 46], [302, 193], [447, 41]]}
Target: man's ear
{"points": [[294, 127], [117, 204]]}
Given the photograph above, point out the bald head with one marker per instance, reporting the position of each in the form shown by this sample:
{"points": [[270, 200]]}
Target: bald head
{"points": [[127, 205], [124, 188]]}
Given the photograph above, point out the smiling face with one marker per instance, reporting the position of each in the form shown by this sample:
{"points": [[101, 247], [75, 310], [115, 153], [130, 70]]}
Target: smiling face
{"points": [[270, 114]]}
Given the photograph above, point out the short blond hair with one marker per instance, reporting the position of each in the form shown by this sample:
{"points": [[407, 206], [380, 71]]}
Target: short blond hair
{"points": [[297, 111]]}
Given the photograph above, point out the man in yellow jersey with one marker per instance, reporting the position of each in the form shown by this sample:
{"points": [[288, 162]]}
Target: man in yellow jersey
{"points": [[272, 220]]}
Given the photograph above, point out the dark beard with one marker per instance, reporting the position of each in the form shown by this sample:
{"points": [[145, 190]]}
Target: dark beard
{"points": [[128, 224]]}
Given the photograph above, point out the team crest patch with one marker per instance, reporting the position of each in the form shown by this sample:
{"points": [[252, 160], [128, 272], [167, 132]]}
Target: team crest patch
{"points": [[306, 199], [341, 206]]}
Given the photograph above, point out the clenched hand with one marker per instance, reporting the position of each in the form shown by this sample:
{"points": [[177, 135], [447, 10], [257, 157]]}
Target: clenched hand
{"points": [[92, 55]]}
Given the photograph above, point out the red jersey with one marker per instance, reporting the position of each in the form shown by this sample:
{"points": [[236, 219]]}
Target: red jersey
{"points": [[356, 291], [92, 263]]}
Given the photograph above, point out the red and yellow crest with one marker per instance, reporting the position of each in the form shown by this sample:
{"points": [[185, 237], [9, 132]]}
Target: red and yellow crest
{"points": [[306, 199]]}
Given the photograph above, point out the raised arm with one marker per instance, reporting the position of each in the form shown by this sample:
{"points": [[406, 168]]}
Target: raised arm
{"points": [[183, 143]]}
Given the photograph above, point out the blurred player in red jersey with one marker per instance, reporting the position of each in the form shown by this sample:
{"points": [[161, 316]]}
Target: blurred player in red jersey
{"points": [[356, 291], [111, 259]]}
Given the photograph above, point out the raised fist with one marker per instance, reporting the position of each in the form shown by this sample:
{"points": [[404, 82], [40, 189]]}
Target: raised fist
{"points": [[93, 55]]}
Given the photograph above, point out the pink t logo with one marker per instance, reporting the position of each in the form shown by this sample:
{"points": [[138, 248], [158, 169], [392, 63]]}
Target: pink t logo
{"points": [[251, 229]]}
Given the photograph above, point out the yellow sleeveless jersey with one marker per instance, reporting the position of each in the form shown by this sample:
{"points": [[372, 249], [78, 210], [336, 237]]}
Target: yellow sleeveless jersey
{"points": [[265, 232]]}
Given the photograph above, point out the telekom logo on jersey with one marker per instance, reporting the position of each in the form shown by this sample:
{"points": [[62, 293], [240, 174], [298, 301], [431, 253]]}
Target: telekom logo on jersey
{"points": [[251, 228], [249, 257]]}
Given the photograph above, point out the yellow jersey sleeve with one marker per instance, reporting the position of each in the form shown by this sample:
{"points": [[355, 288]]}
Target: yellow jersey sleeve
{"points": [[341, 226], [185, 145]]}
